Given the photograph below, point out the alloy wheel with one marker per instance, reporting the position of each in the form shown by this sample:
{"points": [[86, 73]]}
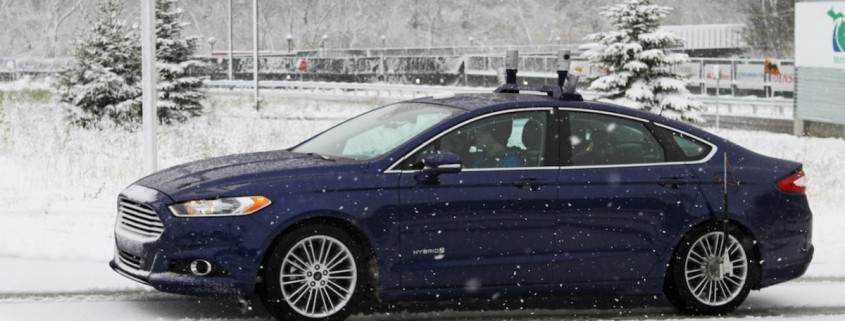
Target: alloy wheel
{"points": [[716, 272], [318, 276]]}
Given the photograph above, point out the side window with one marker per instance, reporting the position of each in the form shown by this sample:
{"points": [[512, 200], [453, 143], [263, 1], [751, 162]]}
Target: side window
{"points": [[597, 139], [691, 148], [508, 140]]}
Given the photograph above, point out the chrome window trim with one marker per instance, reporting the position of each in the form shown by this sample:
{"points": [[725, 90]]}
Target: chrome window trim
{"points": [[607, 113], [492, 169], [392, 168], [621, 165], [713, 147]]}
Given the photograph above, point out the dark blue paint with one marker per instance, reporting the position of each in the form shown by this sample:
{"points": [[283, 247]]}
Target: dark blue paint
{"points": [[550, 230]]}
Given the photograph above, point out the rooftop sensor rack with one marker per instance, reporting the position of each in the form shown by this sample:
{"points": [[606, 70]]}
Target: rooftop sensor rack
{"points": [[566, 81]]}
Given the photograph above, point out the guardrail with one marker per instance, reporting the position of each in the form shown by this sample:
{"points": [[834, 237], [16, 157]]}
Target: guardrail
{"points": [[775, 108]]}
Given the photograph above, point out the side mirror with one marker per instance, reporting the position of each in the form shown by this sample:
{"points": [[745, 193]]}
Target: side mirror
{"points": [[437, 164]]}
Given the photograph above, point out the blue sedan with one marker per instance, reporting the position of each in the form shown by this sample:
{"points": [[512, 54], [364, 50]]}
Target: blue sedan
{"points": [[477, 196]]}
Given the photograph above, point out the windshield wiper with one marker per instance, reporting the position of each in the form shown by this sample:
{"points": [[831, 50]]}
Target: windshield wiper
{"points": [[323, 157]]}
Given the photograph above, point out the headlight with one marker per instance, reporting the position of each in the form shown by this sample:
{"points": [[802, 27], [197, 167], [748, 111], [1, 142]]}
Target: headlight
{"points": [[220, 207]]}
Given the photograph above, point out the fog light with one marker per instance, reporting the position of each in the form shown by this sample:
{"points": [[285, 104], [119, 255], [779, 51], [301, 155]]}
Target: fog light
{"points": [[200, 267]]}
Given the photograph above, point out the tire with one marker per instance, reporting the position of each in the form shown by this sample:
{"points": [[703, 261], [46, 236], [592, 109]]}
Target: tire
{"points": [[296, 285], [699, 283]]}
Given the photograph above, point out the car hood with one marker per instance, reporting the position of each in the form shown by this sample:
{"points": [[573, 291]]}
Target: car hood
{"points": [[215, 176]]}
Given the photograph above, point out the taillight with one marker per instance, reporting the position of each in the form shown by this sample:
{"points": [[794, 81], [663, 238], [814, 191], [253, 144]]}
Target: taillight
{"points": [[795, 183]]}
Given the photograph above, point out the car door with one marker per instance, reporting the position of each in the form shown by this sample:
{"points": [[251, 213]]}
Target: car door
{"points": [[620, 191], [491, 224]]}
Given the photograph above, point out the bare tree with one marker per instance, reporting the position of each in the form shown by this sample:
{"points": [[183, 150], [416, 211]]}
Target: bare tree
{"points": [[770, 27], [521, 11], [55, 7], [43, 27]]}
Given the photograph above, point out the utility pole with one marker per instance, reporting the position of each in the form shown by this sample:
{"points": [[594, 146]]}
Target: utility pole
{"points": [[255, 50], [149, 78], [231, 55]]}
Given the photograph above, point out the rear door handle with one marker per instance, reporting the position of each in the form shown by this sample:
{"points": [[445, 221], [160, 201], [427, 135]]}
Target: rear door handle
{"points": [[531, 184], [674, 182]]}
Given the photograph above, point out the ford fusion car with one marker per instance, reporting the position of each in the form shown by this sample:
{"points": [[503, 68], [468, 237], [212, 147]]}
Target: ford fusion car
{"points": [[478, 196]]}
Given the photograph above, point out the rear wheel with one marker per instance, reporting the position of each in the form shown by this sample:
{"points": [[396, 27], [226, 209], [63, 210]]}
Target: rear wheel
{"points": [[710, 274], [315, 273]]}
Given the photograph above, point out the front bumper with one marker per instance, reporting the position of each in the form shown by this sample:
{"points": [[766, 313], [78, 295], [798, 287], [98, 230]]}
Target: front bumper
{"points": [[186, 284], [233, 245]]}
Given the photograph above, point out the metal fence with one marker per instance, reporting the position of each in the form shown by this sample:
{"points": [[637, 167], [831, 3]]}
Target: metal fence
{"points": [[12, 69], [735, 77], [775, 108]]}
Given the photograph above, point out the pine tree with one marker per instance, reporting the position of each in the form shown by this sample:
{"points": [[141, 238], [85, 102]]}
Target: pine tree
{"points": [[104, 83], [179, 94], [639, 62]]}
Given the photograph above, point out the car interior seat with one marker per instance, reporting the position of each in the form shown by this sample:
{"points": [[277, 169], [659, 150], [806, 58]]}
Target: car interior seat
{"points": [[533, 138]]}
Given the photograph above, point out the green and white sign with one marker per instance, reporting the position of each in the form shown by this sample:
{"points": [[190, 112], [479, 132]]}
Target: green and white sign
{"points": [[820, 34]]}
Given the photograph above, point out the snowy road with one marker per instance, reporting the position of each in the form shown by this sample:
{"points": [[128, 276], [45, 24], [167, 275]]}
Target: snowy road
{"points": [[807, 298]]}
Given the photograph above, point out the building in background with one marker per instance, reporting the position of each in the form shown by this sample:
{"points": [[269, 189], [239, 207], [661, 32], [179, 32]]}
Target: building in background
{"points": [[710, 41], [820, 68]]}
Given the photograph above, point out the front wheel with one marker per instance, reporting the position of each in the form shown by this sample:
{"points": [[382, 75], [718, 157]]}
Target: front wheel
{"points": [[315, 273], [708, 275]]}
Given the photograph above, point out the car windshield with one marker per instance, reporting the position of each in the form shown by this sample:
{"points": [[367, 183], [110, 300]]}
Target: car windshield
{"points": [[374, 134]]}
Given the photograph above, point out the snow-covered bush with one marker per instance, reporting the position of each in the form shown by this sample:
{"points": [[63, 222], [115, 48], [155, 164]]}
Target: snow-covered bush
{"points": [[639, 62], [104, 83]]}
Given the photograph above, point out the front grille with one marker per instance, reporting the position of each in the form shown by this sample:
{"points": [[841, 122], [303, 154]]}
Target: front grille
{"points": [[138, 219], [129, 260]]}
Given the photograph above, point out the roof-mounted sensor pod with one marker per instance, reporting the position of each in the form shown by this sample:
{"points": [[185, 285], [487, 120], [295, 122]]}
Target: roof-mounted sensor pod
{"points": [[564, 61], [565, 89], [511, 66]]}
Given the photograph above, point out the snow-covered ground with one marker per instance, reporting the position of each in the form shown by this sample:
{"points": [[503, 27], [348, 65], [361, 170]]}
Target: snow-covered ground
{"points": [[58, 186]]}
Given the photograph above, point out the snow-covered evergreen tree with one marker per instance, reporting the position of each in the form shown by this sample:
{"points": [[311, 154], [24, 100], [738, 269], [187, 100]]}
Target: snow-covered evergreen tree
{"points": [[179, 92], [639, 62], [104, 82]]}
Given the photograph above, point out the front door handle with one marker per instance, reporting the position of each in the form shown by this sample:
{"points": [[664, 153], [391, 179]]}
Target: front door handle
{"points": [[531, 184]]}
